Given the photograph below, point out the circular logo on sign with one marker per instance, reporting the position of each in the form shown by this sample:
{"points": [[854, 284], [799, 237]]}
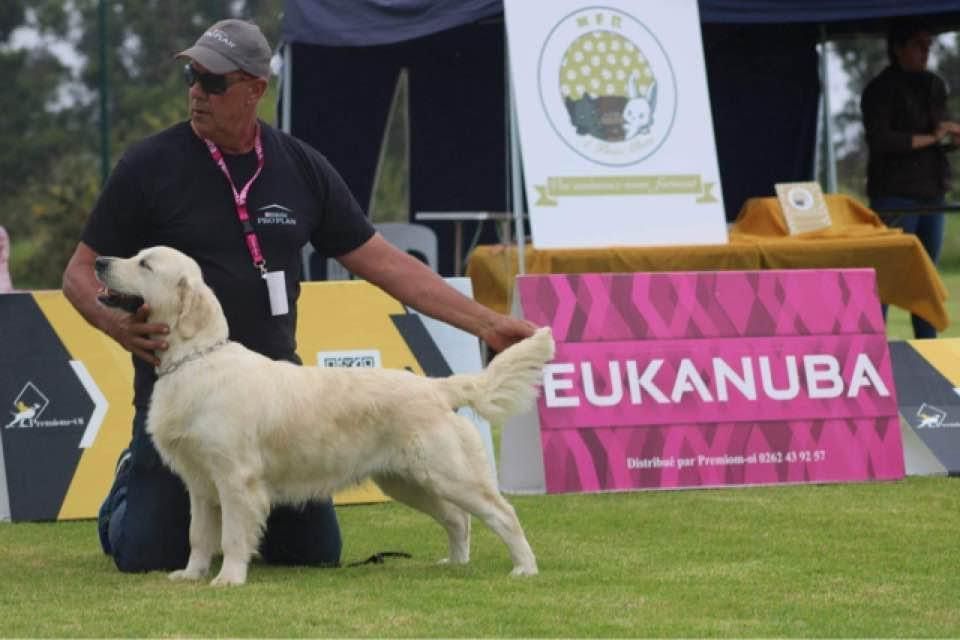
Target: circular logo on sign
{"points": [[801, 198], [607, 86]]}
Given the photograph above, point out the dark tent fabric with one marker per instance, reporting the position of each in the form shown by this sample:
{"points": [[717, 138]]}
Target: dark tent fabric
{"points": [[361, 23], [768, 11], [764, 106], [761, 65], [373, 22], [458, 155]]}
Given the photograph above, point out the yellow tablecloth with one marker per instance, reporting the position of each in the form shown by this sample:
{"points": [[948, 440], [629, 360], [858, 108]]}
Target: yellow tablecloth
{"points": [[758, 239]]}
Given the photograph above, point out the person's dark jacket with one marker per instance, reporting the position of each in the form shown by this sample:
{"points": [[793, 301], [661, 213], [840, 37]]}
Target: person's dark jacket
{"points": [[897, 105]]}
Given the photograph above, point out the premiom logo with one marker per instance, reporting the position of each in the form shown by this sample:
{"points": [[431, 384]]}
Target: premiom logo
{"points": [[931, 417], [607, 86], [362, 358], [28, 408]]}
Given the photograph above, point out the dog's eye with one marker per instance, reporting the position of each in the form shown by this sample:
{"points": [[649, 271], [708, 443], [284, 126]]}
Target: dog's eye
{"points": [[143, 263]]}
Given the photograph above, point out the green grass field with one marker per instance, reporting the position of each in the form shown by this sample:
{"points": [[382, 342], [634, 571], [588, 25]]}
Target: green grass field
{"points": [[853, 560], [898, 320], [856, 560]]}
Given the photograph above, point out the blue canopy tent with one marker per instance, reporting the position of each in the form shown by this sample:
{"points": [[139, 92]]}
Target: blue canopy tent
{"points": [[344, 57]]}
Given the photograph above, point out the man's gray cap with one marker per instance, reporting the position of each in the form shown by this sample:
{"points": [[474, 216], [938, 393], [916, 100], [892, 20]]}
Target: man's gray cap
{"points": [[230, 45]]}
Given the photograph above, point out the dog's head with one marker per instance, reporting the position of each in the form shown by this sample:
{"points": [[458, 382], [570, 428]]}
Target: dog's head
{"points": [[171, 283]]}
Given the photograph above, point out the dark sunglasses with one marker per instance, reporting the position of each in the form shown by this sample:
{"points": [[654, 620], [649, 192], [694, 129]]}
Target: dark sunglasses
{"points": [[211, 83]]}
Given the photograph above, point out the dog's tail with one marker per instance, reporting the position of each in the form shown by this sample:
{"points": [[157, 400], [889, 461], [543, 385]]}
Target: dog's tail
{"points": [[508, 384]]}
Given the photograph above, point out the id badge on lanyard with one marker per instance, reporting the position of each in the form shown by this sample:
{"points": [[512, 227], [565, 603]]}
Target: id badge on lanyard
{"points": [[275, 281]]}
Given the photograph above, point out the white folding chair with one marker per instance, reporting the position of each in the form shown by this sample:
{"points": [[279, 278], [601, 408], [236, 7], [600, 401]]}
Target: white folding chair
{"points": [[416, 239]]}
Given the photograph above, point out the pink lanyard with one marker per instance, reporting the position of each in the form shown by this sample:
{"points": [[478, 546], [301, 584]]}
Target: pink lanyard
{"points": [[240, 199]]}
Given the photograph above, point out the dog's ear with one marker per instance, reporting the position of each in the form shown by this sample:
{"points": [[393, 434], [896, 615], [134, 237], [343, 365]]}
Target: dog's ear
{"points": [[194, 309]]}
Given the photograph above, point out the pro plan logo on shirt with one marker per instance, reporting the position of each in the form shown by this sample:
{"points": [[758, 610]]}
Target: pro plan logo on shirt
{"points": [[275, 214]]}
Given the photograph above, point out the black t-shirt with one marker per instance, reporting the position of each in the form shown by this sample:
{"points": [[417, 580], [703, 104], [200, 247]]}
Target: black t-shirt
{"points": [[167, 190]]}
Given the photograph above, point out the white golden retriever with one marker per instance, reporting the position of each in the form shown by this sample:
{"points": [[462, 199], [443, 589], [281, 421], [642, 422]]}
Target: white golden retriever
{"points": [[245, 432]]}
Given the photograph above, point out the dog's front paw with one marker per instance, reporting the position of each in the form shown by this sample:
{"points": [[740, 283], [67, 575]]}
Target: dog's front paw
{"points": [[524, 571], [187, 574], [227, 581], [230, 575]]}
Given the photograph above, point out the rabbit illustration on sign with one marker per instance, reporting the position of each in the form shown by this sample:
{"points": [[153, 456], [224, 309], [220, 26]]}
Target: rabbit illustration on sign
{"points": [[638, 112]]}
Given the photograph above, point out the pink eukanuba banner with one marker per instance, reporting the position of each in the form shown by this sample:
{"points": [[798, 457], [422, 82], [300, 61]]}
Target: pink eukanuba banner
{"points": [[669, 380]]}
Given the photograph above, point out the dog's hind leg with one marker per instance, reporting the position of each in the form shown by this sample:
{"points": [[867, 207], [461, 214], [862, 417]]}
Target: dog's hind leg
{"points": [[204, 537], [244, 506], [469, 484], [456, 469], [488, 505], [455, 520]]}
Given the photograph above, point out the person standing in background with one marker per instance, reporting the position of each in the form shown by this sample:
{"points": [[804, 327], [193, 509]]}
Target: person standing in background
{"points": [[908, 137]]}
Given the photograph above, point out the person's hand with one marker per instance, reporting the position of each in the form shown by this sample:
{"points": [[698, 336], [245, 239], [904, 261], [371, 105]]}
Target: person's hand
{"points": [[951, 131], [947, 129], [506, 330], [952, 128], [133, 333]]}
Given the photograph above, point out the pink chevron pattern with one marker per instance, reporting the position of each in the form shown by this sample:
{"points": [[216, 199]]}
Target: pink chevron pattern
{"points": [[609, 440]]}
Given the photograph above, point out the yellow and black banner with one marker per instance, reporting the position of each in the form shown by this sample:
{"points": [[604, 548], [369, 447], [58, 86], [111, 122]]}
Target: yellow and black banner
{"points": [[927, 377], [68, 391], [67, 388]]}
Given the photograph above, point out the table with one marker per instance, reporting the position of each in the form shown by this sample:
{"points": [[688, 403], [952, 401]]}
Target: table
{"points": [[458, 218], [758, 239]]}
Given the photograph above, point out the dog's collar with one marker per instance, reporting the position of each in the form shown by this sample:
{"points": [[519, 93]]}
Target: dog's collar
{"points": [[164, 369]]}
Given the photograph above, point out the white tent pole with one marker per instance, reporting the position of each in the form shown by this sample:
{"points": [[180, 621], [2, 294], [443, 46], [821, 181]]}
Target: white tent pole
{"points": [[829, 157], [516, 175], [286, 90]]}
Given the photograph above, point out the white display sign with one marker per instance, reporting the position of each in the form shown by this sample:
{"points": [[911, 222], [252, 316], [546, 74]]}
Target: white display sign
{"points": [[616, 131]]}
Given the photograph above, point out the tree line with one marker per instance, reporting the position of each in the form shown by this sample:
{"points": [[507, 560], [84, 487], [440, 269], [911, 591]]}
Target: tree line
{"points": [[50, 159]]}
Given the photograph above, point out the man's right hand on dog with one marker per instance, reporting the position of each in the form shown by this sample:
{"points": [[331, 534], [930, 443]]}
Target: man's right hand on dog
{"points": [[133, 333]]}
